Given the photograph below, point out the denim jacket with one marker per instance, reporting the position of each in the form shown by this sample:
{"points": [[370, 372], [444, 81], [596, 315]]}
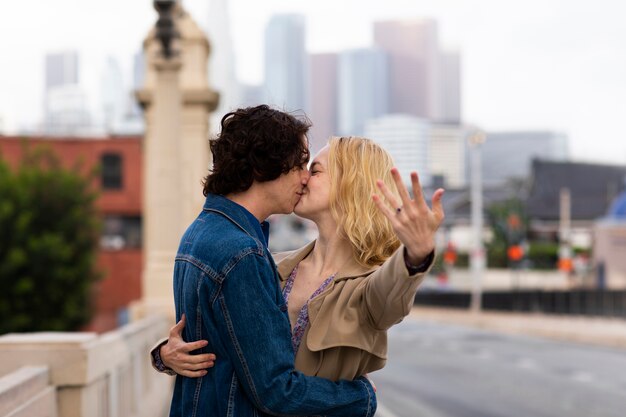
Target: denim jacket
{"points": [[226, 283]]}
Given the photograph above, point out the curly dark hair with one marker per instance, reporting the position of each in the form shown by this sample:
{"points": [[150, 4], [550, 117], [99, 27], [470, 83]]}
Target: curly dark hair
{"points": [[255, 144]]}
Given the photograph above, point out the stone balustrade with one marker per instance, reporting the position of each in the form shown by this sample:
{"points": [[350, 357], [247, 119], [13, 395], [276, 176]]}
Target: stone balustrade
{"points": [[57, 374]]}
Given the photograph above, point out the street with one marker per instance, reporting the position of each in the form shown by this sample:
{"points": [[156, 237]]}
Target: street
{"points": [[440, 370]]}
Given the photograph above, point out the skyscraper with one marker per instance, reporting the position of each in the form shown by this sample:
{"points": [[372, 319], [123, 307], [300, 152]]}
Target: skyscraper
{"points": [[322, 98], [447, 155], [65, 103], [450, 87], [250, 95], [407, 139], [425, 81], [113, 96], [61, 69], [413, 50], [285, 62], [222, 75], [139, 70], [363, 88], [133, 121]]}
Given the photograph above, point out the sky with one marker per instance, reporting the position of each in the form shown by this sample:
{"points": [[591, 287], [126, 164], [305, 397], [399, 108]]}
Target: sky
{"points": [[526, 65]]}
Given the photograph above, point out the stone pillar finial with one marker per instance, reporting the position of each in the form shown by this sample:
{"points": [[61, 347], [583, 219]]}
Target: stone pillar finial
{"points": [[165, 28]]}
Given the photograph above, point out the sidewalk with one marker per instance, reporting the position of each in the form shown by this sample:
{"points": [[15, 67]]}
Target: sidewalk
{"points": [[607, 332]]}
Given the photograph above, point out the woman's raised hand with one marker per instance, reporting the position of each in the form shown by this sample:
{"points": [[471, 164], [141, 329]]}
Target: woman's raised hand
{"points": [[413, 221]]}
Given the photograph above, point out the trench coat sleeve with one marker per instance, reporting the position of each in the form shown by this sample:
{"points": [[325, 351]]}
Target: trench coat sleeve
{"points": [[389, 292], [154, 356]]}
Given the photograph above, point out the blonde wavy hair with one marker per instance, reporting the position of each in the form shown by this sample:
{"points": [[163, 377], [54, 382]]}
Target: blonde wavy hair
{"points": [[354, 165]]}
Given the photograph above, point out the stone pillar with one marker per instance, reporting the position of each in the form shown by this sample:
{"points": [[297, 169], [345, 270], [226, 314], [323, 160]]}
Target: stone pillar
{"points": [[198, 100], [177, 102]]}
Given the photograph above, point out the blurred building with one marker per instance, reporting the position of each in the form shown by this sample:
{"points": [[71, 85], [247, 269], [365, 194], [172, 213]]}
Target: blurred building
{"points": [[450, 87], [65, 102], [66, 111], [133, 123], [448, 154], [113, 96], [509, 155], [609, 245], [61, 69], [119, 185], [139, 70], [286, 62], [250, 95], [363, 89], [592, 189], [407, 139], [414, 71], [425, 81], [222, 65], [290, 232], [323, 87]]}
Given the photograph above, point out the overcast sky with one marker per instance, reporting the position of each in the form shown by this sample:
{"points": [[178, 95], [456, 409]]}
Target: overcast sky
{"points": [[533, 64]]}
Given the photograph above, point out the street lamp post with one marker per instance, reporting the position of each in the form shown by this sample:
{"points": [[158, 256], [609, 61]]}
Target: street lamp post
{"points": [[477, 258]]}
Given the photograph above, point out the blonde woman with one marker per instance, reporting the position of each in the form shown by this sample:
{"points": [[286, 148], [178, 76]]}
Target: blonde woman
{"points": [[358, 278]]}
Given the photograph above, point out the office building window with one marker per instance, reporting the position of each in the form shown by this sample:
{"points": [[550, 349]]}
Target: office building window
{"points": [[111, 171]]}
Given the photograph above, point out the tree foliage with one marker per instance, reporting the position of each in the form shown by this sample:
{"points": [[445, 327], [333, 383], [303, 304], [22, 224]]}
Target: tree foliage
{"points": [[509, 224], [48, 241]]}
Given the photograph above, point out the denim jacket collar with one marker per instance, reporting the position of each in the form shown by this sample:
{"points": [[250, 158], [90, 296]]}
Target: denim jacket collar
{"points": [[238, 215]]}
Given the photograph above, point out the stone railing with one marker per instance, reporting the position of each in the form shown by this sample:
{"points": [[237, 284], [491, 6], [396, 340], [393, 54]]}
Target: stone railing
{"points": [[27, 392], [84, 374]]}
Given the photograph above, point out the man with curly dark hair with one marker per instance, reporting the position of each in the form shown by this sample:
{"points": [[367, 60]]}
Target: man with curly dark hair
{"points": [[227, 286], [256, 144]]}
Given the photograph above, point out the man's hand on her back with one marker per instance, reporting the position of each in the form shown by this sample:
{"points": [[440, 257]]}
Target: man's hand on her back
{"points": [[176, 355]]}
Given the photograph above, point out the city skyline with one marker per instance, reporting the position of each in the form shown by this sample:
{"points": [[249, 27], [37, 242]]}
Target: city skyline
{"points": [[537, 66]]}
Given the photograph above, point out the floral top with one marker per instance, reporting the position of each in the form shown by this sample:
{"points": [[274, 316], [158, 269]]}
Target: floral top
{"points": [[303, 316]]}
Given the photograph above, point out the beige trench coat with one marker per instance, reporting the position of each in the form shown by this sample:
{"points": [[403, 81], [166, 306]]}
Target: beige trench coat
{"points": [[348, 321]]}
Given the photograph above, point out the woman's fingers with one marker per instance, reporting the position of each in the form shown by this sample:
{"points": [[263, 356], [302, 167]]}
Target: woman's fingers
{"points": [[418, 194], [391, 199], [382, 206], [437, 205], [402, 191]]}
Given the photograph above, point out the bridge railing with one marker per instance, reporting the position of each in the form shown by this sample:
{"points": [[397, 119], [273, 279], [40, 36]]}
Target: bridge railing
{"points": [[607, 303], [84, 374]]}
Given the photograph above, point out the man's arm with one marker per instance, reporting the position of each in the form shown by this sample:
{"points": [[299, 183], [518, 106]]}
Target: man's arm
{"points": [[256, 335]]}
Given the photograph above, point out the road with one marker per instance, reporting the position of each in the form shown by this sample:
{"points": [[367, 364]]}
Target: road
{"points": [[440, 370]]}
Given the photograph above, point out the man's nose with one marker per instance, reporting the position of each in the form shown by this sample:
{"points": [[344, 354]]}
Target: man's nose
{"points": [[305, 176]]}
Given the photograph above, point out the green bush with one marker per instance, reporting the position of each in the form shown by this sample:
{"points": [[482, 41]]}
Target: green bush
{"points": [[497, 257], [543, 255], [48, 241], [462, 260]]}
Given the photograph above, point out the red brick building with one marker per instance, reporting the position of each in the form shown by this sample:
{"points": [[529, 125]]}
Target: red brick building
{"points": [[120, 204]]}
